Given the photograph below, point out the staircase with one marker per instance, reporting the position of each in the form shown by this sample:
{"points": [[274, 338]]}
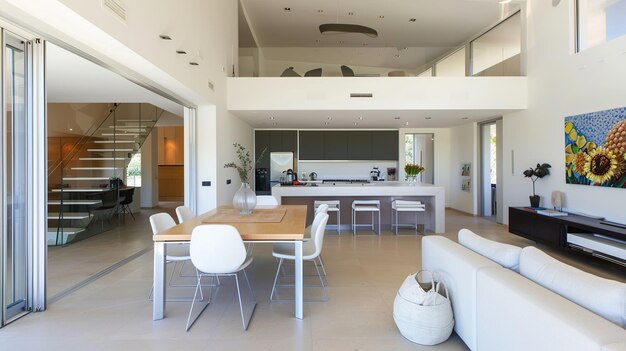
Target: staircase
{"points": [[85, 201]]}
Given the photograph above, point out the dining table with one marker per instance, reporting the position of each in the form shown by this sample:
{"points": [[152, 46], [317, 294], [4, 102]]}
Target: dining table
{"points": [[266, 224]]}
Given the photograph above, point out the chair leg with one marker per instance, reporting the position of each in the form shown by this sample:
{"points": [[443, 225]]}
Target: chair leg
{"points": [[322, 264], [339, 222], [379, 223], [280, 263], [189, 322], [243, 318]]}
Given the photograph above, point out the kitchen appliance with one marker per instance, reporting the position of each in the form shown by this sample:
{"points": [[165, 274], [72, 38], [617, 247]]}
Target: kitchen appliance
{"points": [[288, 176], [391, 173], [375, 174], [280, 162], [262, 181], [312, 176]]}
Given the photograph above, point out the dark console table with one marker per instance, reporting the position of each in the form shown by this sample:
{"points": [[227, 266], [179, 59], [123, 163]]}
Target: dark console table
{"points": [[553, 231]]}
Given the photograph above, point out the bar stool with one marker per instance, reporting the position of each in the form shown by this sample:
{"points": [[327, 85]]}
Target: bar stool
{"points": [[405, 206], [333, 206], [365, 206]]}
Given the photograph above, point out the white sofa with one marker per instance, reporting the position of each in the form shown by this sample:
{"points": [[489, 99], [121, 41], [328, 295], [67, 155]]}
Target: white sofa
{"points": [[497, 309]]}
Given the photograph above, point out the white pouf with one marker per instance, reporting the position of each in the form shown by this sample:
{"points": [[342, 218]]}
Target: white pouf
{"points": [[423, 317]]}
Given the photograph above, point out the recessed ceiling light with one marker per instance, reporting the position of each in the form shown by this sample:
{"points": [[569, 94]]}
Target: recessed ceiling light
{"points": [[272, 118], [165, 37], [412, 19], [365, 44], [330, 118], [396, 118], [406, 123], [381, 16], [360, 118], [320, 11], [325, 123], [71, 129], [396, 55], [181, 52], [317, 41], [193, 63], [274, 124], [287, 8], [340, 42], [350, 13], [465, 118], [356, 124], [428, 118]]}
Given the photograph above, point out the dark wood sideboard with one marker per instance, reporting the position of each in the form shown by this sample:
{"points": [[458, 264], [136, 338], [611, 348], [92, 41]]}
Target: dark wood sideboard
{"points": [[552, 231]]}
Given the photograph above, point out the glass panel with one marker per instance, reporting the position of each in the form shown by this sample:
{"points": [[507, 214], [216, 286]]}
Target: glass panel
{"points": [[15, 155], [453, 65], [600, 21], [420, 149], [497, 52]]}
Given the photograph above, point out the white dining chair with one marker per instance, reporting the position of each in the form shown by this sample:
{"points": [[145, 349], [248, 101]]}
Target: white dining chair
{"points": [[184, 214], [266, 200], [311, 251], [217, 249], [161, 222]]}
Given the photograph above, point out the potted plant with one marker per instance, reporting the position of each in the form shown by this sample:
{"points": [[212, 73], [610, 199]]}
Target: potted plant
{"points": [[245, 198], [540, 171]]}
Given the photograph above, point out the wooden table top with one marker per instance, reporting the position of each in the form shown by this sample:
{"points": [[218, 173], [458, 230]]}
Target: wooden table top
{"points": [[290, 228]]}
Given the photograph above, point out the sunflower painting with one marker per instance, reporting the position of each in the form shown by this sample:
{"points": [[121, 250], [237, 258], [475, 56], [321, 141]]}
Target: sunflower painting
{"points": [[595, 148]]}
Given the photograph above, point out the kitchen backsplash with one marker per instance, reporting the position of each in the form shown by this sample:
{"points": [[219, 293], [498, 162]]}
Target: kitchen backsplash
{"points": [[345, 170]]}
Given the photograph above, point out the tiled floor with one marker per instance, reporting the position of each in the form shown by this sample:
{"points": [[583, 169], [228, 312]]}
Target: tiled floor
{"points": [[363, 274]]}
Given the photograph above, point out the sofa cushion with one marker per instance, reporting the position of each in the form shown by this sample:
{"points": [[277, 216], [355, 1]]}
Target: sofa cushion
{"points": [[504, 254], [604, 297]]}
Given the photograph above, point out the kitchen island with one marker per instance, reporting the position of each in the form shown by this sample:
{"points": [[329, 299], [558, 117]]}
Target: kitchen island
{"points": [[432, 196]]}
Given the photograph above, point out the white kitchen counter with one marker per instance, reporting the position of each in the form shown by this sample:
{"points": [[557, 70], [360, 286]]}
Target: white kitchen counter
{"points": [[432, 196]]}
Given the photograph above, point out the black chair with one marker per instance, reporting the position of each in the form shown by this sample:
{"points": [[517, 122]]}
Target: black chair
{"points": [[127, 198], [314, 73], [108, 208], [289, 72], [347, 71]]}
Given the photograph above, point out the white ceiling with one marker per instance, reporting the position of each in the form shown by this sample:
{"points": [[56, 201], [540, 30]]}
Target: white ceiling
{"points": [[365, 119], [73, 79], [440, 25]]}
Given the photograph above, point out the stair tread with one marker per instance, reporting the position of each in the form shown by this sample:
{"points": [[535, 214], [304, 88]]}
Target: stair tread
{"points": [[69, 215], [75, 202], [110, 150], [86, 178], [103, 158], [93, 168]]}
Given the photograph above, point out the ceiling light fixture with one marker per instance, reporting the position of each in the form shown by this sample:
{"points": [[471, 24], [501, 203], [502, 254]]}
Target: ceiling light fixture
{"points": [[181, 52], [356, 124], [320, 11], [406, 123], [396, 118], [412, 19], [350, 13], [428, 118], [381, 16], [165, 37], [272, 118], [287, 9], [465, 118], [345, 28], [360, 118], [194, 63]]}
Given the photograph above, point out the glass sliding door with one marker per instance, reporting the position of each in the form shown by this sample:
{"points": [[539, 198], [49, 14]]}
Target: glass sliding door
{"points": [[15, 175], [22, 177]]}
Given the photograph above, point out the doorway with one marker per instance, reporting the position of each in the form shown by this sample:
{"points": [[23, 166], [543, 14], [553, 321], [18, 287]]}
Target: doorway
{"points": [[491, 170]]}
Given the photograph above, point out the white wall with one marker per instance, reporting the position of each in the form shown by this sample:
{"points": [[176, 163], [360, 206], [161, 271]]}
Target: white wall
{"points": [[561, 84], [345, 170], [389, 93], [206, 29], [149, 171]]}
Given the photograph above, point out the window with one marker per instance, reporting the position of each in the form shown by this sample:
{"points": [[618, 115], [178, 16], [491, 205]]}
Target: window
{"points": [[133, 173], [452, 66], [599, 21], [497, 52]]}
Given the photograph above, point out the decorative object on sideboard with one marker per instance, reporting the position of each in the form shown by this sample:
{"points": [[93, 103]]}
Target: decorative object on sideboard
{"points": [[412, 171], [538, 172], [245, 198], [595, 148], [557, 200]]}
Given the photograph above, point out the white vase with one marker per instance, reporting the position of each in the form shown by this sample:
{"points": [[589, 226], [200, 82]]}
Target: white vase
{"points": [[244, 199]]}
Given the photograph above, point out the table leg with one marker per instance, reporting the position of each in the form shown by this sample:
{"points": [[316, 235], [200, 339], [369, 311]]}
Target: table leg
{"points": [[299, 280], [158, 298]]}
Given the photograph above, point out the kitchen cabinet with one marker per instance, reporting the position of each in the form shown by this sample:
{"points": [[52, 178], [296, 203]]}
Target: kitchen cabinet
{"points": [[385, 145], [360, 145], [312, 145], [336, 145]]}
